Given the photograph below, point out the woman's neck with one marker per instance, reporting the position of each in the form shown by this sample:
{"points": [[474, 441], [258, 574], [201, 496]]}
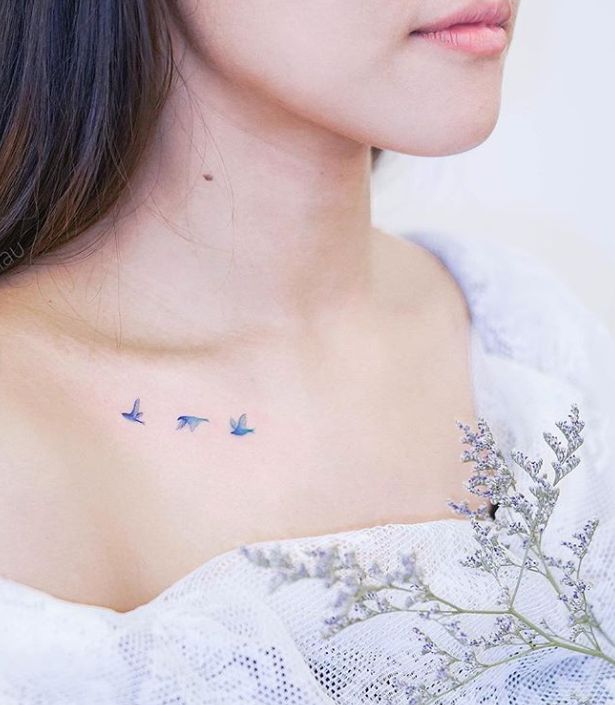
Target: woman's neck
{"points": [[241, 219]]}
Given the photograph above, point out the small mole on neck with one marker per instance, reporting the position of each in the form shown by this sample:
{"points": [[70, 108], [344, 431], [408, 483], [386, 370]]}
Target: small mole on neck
{"points": [[208, 177]]}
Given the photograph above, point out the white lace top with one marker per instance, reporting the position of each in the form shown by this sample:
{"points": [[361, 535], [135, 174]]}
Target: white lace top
{"points": [[220, 636]]}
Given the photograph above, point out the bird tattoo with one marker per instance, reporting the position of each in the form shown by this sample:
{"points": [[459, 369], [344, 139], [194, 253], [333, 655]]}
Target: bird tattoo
{"points": [[238, 428], [191, 421], [135, 414]]}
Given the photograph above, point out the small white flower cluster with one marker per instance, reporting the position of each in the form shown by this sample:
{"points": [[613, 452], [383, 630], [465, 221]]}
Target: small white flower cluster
{"points": [[509, 548]]}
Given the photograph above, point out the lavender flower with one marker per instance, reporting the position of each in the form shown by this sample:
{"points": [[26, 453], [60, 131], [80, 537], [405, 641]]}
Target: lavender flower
{"points": [[509, 548]]}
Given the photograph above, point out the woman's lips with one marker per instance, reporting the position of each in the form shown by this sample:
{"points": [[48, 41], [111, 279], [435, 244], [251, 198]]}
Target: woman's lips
{"points": [[480, 28], [476, 38]]}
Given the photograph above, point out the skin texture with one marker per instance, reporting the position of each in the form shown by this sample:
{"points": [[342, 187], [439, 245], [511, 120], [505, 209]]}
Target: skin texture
{"points": [[243, 273]]}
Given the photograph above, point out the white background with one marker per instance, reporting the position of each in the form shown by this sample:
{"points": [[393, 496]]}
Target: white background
{"points": [[544, 178]]}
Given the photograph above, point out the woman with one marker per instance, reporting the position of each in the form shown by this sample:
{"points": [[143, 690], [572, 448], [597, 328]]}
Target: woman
{"points": [[207, 344]]}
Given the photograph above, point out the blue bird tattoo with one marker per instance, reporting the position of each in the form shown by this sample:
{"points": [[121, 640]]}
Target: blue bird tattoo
{"points": [[191, 421], [238, 428], [135, 414]]}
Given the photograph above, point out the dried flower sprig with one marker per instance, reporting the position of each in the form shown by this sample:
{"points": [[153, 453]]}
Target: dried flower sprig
{"points": [[510, 549]]}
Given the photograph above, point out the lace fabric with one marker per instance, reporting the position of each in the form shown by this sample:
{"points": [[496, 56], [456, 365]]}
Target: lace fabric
{"points": [[219, 636]]}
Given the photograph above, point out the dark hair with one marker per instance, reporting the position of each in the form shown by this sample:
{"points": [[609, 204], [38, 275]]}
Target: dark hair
{"points": [[82, 85]]}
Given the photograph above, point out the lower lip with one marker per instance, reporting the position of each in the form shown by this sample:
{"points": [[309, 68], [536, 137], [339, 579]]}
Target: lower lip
{"points": [[478, 39]]}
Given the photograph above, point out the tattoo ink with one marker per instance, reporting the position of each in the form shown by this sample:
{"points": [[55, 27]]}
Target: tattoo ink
{"points": [[135, 414], [238, 428], [191, 421]]}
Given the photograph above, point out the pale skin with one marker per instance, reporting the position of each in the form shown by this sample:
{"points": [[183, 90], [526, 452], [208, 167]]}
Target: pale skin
{"points": [[265, 289]]}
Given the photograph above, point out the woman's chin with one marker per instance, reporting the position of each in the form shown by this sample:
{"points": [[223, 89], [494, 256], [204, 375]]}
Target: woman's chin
{"points": [[444, 139]]}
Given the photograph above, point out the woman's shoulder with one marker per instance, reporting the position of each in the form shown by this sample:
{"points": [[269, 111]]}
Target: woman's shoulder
{"points": [[549, 347], [522, 305], [547, 350]]}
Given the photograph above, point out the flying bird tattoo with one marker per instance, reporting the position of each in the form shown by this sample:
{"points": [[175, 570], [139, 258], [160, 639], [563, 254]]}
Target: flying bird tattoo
{"points": [[238, 428], [135, 414], [191, 421]]}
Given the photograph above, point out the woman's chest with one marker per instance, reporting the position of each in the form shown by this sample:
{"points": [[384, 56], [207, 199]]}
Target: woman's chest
{"points": [[104, 499]]}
